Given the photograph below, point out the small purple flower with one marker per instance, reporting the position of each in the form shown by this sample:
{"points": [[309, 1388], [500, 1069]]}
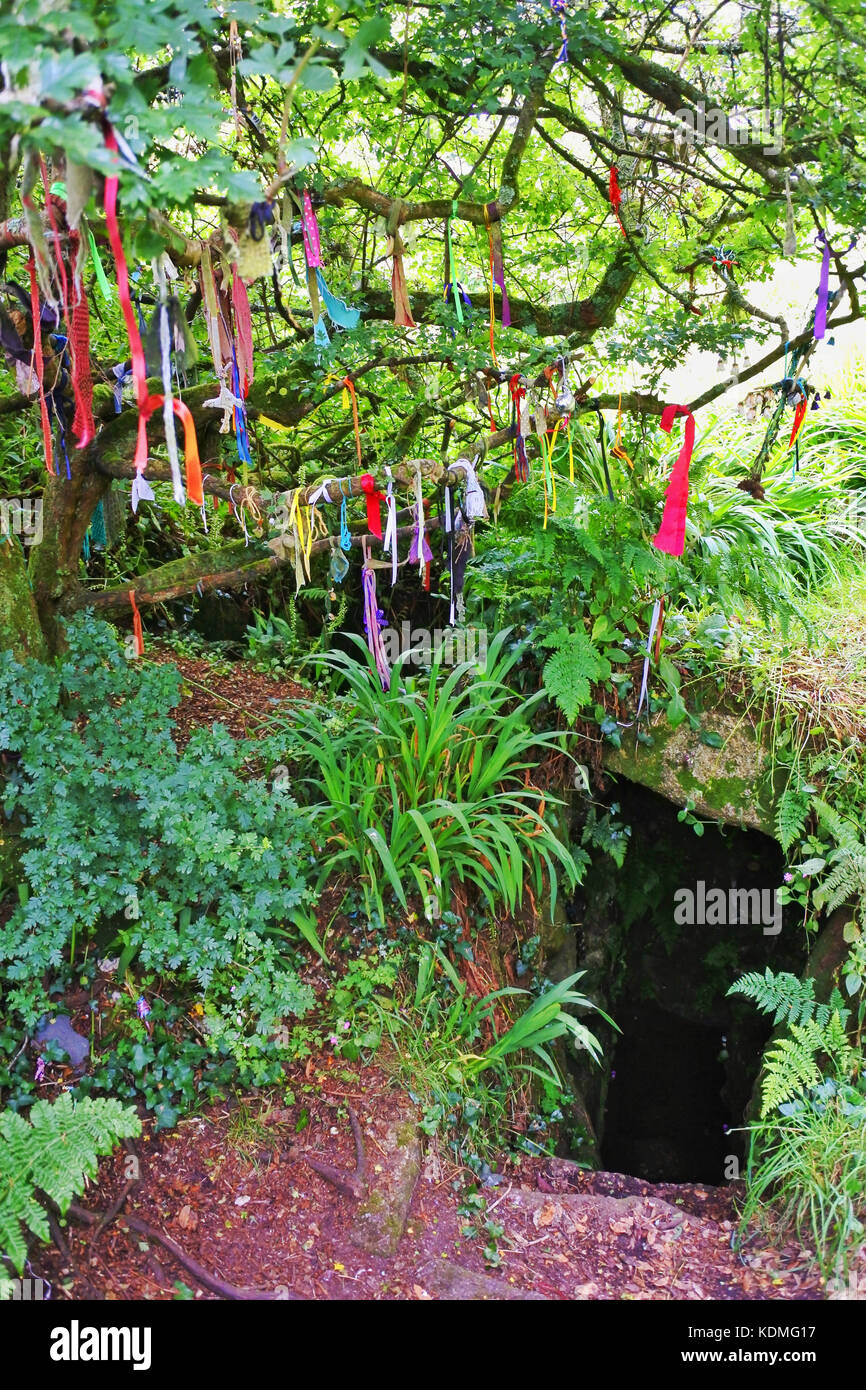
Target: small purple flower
{"points": [[142, 1008], [345, 1027], [333, 1040], [789, 878], [40, 1070]]}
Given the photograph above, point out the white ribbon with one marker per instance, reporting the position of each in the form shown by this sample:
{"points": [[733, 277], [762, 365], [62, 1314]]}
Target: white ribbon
{"points": [[165, 369], [474, 505], [389, 543]]}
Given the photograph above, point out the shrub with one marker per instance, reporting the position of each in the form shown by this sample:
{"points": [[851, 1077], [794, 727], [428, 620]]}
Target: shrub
{"points": [[182, 860], [430, 783], [52, 1153]]}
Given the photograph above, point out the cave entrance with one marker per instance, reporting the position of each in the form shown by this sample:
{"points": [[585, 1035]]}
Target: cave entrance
{"points": [[686, 916]]}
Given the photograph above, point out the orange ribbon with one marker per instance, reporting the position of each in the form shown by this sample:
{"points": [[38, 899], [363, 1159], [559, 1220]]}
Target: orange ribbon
{"points": [[136, 625], [350, 387]]}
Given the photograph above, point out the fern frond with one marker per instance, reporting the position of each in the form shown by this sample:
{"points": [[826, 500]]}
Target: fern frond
{"points": [[54, 1151], [845, 832], [846, 880], [783, 995], [792, 1066], [792, 809], [570, 672]]}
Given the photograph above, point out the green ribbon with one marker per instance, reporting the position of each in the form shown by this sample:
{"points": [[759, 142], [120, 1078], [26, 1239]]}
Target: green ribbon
{"points": [[101, 278], [58, 188], [452, 272]]}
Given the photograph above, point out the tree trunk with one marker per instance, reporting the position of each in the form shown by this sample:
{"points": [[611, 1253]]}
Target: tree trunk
{"points": [[20, 629], [69, 504]]}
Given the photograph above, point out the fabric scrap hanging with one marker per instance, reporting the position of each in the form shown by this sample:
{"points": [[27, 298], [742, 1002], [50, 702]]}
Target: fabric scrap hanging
{"points": [[39, 365], [165, 373], [558, 7], [254, 258], [420, 552], [400, 294], [474, 501], [823, 303], [671, 535], [35, 233], [244, 332], [520, 425], [389, 544], [82, 380], [618, 449], [374, 621], [350, 398], [656, 613], [453, 287], [374, 501], [141, 490], [616, 197], [602, 438], [137, 632], [493, 223], [338, 310]]}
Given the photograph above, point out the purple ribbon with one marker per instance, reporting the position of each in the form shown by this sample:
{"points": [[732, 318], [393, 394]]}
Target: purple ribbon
{"points": [[374, 621], [558, 7], [824, 282], [498, 267]]}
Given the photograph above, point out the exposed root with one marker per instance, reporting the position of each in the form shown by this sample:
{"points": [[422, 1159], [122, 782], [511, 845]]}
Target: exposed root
{"points": [[198, 1272], [351, 1184]]}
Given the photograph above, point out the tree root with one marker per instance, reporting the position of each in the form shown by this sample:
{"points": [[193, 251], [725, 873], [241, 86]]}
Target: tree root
{"points": [[351, 1184], [198, 1272]]}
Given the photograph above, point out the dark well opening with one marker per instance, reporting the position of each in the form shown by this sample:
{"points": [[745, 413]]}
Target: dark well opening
{"points": [[681, 1073]]}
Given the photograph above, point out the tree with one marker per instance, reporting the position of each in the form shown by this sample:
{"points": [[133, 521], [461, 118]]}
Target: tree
{"points": [[428, 138]]}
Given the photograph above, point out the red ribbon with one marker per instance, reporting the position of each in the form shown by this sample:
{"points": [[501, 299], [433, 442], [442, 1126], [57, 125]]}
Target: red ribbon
{"points": [[82, 381], [616, 196], [139, 368], [374, 501], [671, 535], [244, 327], [36, 315], [146, 404], [799, 417]]}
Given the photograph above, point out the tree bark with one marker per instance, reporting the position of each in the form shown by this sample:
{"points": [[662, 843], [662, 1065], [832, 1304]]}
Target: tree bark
{"points": [[20, 630]]}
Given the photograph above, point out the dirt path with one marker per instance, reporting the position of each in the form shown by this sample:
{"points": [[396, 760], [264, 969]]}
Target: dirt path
{"points": [[233, 1189]]}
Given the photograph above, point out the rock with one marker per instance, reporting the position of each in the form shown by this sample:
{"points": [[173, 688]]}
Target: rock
{"points": [[60, 1031], [381, 1217], [444, 1279], [727, 782]]}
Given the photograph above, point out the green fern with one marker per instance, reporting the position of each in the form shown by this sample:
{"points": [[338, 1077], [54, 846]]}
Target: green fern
{"points": [[570, 672], [53, 1152], [787, 998], [792, 809], [845, 832], [792, 1066]]}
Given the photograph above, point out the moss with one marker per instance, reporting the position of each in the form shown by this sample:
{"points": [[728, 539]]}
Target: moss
{"points": [[405, 1134], [20, 631], [726, 783]]}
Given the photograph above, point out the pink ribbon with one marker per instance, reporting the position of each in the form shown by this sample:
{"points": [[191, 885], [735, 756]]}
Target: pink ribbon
{"points": [[671, 535]]}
